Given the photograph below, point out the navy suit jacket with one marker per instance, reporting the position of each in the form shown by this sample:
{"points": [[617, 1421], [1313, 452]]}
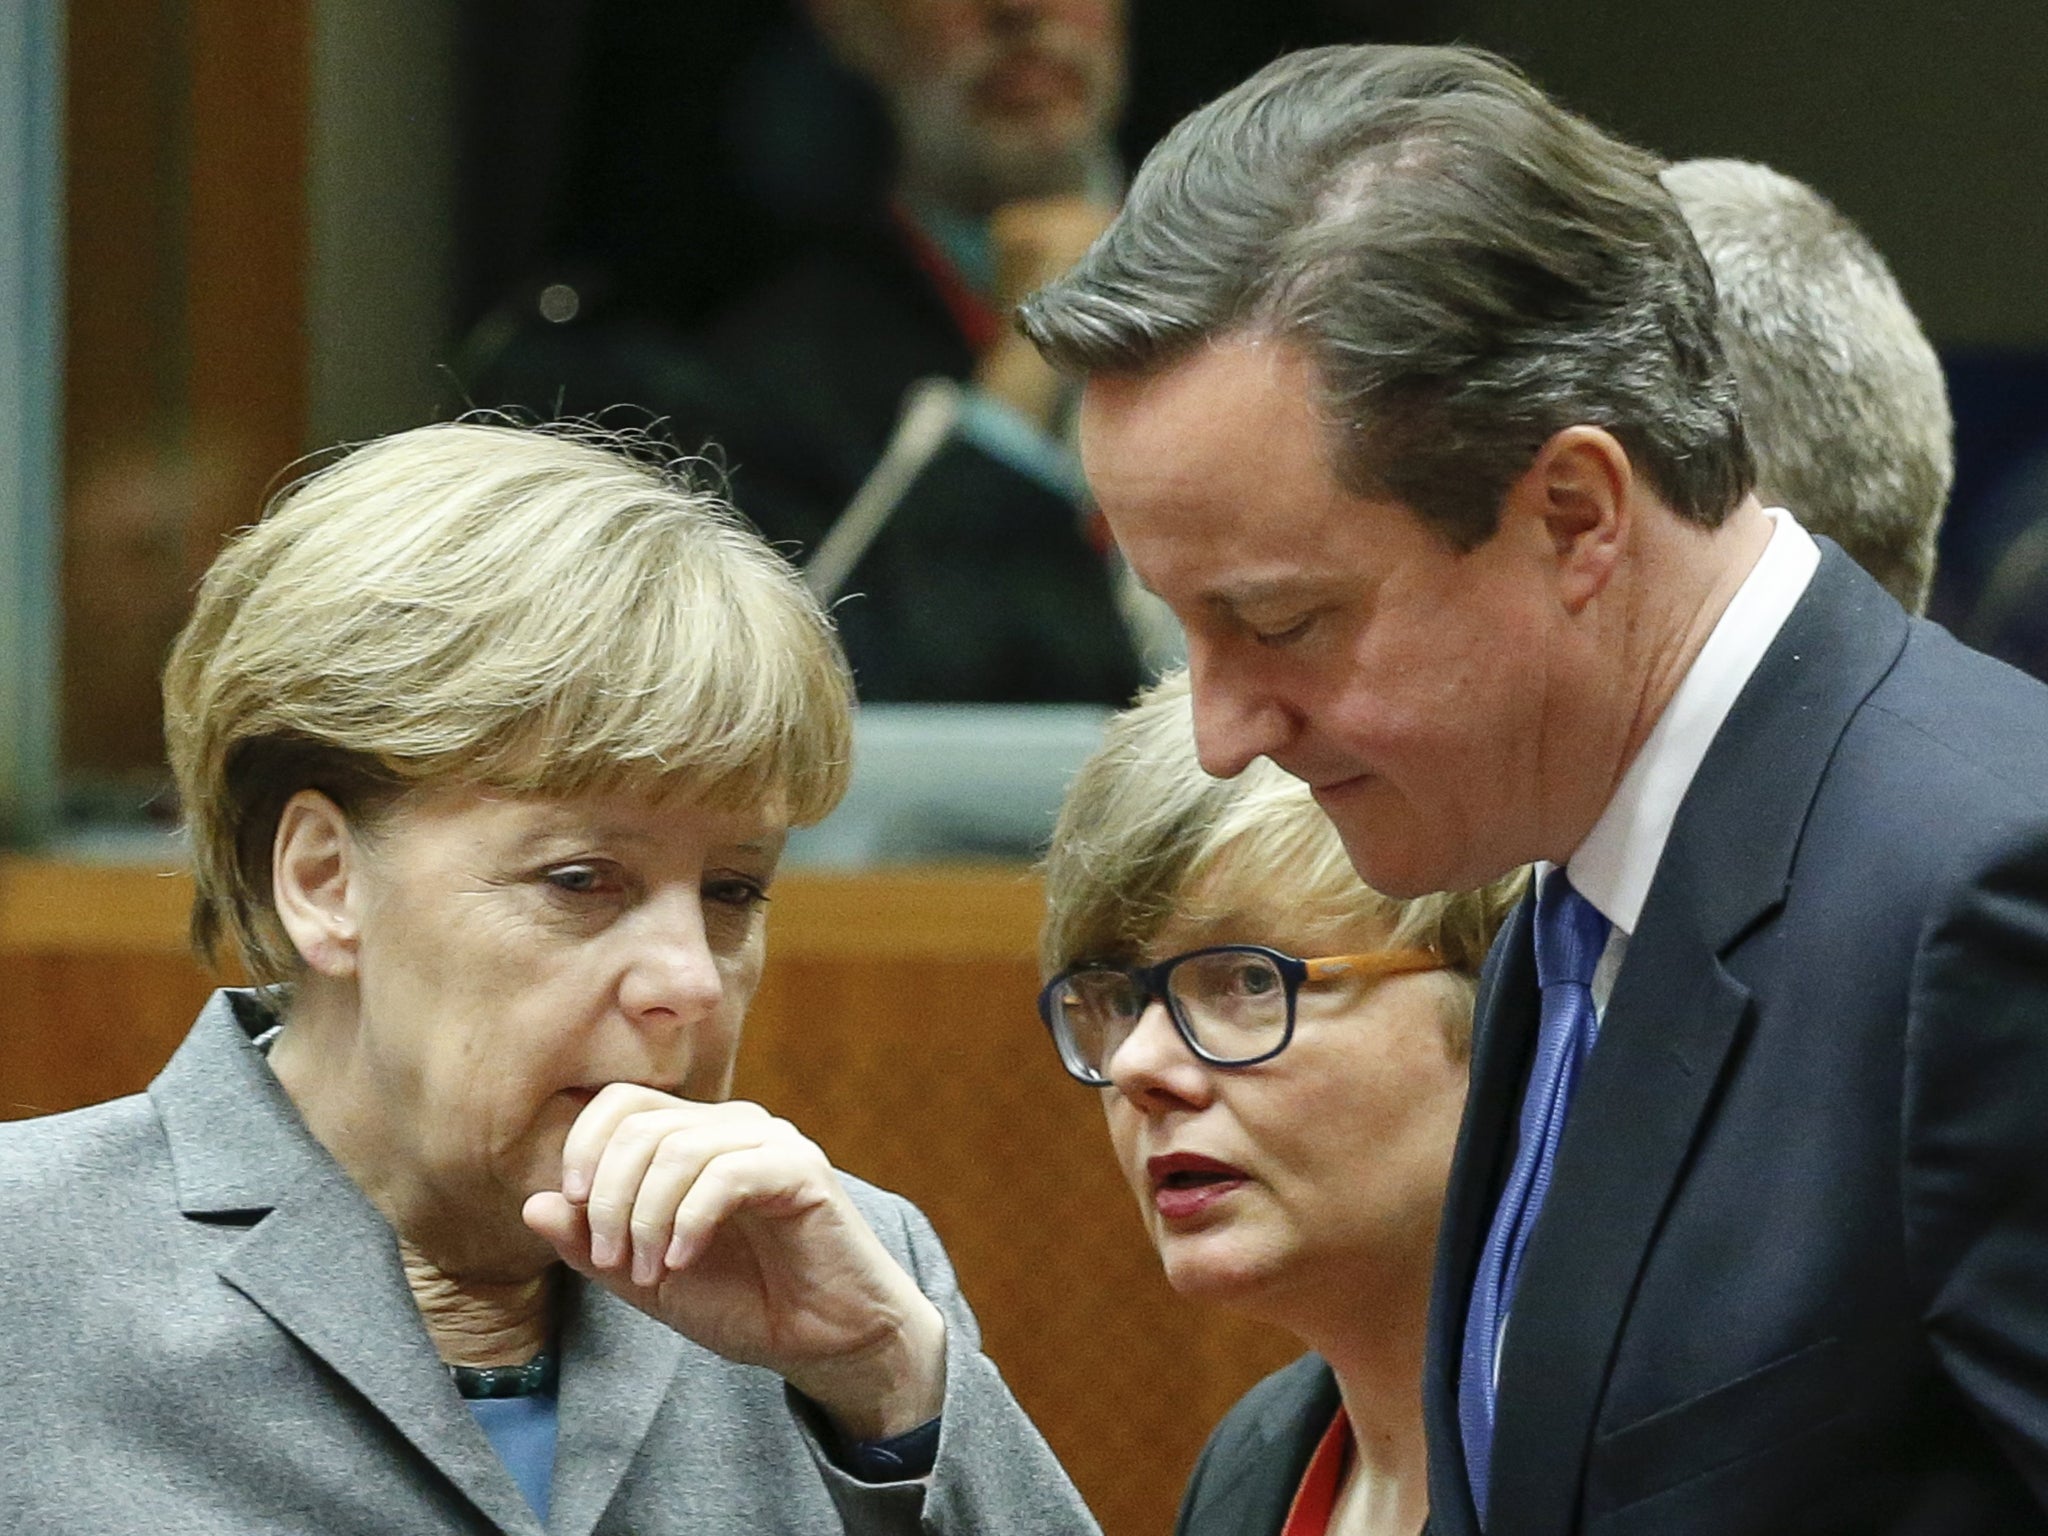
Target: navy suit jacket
{"points": [[1792, 1274]]}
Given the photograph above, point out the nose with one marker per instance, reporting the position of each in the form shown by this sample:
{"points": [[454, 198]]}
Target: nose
{"points": [[671, 976], [1237, 720], [1152, 1066]]}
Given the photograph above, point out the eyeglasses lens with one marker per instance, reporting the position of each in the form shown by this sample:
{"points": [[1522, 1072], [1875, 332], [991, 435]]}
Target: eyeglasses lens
{"points": [[1097, 1011], [1234, 1004]]}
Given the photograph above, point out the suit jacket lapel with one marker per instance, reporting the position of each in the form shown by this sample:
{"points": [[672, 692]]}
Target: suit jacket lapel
{"points": [[1665, 1040], [1668, 1029], [1251, 1493], [1504, 1035], [318, 1258], [618, 1365]]}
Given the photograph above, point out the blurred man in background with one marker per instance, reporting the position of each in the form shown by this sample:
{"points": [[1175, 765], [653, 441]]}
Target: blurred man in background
{"points": [[1842, 394], [879, 417], [976, 572]]}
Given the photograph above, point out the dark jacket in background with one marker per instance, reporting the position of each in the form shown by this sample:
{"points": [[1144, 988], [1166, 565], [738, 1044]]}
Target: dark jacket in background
{"points": [[984, 586]]}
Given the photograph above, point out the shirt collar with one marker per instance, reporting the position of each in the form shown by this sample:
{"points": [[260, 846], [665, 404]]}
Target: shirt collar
{"points": [[1613, 867]]}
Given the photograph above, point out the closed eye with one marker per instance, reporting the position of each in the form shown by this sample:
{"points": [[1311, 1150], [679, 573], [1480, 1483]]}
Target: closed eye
{"points": [[1286, 635]]}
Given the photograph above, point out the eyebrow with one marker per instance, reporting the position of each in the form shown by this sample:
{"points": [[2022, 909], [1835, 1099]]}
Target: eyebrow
{"points": [[1256, 591]]}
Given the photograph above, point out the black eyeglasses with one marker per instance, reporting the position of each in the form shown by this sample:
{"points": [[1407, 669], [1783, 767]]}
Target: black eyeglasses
{"points": [[1232, 1003]]}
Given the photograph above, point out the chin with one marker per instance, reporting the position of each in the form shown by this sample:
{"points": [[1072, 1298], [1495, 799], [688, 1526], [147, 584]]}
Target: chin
{"points": [[1225, 1278], [1398, 868]]}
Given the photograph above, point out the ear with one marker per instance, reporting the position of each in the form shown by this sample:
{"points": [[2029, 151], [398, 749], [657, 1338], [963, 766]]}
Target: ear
{"points": [[315, 880], [1579, 492]]}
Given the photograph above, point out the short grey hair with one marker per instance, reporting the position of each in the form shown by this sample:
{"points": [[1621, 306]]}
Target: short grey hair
{"points": [[1470, 268], [1843, 395]]}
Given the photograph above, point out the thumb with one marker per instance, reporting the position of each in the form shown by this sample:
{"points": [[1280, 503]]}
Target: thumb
{"points": [[563, 1224]]}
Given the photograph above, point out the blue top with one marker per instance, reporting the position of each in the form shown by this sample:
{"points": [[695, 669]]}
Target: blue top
{"points": [[522, 1431]]}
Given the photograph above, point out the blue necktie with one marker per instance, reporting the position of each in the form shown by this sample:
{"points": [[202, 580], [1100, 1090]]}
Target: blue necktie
{"points": [[1570, 934]]}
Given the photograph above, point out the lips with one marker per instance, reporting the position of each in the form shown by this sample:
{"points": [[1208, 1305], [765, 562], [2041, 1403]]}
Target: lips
{"points": [[1185, 1185]]}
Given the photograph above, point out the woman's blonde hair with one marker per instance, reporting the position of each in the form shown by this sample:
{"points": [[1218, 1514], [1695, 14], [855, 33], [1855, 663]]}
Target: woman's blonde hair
{"points": [[1145, 835], [528, 610]]}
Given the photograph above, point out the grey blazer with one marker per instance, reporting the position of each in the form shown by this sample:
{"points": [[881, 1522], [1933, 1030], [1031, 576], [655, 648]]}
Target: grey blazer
{"points": [[204, 1327]]}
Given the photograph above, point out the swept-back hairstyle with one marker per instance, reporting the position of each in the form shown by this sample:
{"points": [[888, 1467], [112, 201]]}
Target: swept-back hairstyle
{"points": [[525, 610], [1842, 394], [1145, 836], [1469, 267]]}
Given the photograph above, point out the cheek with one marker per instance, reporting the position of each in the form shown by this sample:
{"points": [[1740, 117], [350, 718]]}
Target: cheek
{"points": [[937, 31], [1404, 1098], [740, 974], [1421, 1115], [1099, 21], [1123, 1140], [715, 1045]]}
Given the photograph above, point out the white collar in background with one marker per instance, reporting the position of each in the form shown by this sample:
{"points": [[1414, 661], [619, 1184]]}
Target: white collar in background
{"points": [[1613, 867]]}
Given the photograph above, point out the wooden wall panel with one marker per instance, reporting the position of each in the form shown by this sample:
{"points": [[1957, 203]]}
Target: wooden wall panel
{"points": [[895, 1026], [185, 347]]}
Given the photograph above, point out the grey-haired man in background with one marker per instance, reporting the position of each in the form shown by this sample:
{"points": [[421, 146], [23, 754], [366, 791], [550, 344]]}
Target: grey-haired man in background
{"points": [[1842, 394]]}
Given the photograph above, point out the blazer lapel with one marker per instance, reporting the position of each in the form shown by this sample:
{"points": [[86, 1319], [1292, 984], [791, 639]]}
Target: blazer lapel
{"points": [[1504, 1035], [318, 1259], [618, 1365], [1667, 1037], [1251, 1493], [1672, 1017]]}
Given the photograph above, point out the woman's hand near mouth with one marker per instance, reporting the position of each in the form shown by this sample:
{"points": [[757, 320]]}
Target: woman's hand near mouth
{"points": [[733, 1228]]}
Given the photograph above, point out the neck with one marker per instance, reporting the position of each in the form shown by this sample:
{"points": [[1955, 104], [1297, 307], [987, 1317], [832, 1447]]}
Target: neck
{"points": [[974, 191], [1379, 1376], [1684, 578], [481, 1323], [1685, 595], [1370, 1323]]}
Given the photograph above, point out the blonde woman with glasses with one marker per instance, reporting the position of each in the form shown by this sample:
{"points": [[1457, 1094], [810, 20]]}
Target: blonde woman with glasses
{"points": [[1281, 1053]]}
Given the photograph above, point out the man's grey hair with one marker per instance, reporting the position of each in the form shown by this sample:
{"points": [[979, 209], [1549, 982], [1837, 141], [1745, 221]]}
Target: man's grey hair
{"points": [[1469, 267], [1842, 393]]}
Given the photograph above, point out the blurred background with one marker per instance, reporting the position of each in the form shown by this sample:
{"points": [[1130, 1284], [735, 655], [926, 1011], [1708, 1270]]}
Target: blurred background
{"points": [[283, 225], [237, 232]]}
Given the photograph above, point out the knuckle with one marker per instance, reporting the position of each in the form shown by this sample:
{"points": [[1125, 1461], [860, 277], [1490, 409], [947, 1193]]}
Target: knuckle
{"points": [[674, 1152]]}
